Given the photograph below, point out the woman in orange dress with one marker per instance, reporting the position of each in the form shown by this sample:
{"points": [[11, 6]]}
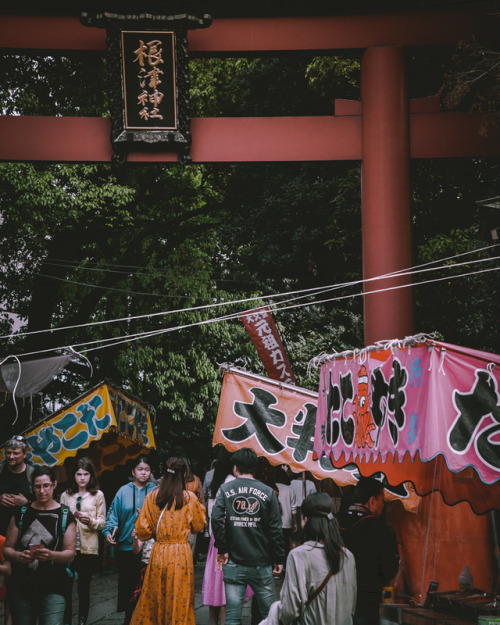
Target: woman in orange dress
{"points": [[168, 515]]}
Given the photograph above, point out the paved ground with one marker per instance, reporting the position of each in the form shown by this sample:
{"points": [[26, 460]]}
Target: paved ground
{"points": [[103, 601]]}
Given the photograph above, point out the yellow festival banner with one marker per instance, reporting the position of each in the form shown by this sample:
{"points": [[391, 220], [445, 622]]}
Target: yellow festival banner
{"points": [[105, 423], [278, 422]]}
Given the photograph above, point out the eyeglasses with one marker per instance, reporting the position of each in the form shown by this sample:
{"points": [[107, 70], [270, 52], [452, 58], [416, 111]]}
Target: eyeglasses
{"points": [[19, 438], [79, 503], [43, 486]]}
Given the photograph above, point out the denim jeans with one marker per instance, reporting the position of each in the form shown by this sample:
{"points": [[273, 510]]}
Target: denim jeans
{"points": [[49, 609], [261, 581]]}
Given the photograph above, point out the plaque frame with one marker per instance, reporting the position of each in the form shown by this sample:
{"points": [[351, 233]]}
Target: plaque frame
{"points": [[145, 136]]}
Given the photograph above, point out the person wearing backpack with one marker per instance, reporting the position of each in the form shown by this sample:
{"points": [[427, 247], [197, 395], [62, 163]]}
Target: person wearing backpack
{"points": [[40, 543]]}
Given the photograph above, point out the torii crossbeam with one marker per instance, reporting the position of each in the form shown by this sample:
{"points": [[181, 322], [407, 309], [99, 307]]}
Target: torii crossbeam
{"points": [[384, 131]]}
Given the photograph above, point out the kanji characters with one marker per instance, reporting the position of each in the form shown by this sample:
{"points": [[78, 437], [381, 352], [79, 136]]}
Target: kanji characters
{"points": [[258, 416], [471, 426]]}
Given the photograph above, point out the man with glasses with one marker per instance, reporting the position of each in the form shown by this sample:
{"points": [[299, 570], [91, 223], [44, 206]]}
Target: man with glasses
{"points": [[15, 479]]}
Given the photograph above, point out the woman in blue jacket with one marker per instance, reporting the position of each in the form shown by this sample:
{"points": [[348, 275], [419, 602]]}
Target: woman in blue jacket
{"points": [[120, 522]]}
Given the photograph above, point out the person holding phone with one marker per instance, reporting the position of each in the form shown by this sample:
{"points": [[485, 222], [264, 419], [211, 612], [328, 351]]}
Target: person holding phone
{"points": [[120, 522], [40, 543], [88, 506]]}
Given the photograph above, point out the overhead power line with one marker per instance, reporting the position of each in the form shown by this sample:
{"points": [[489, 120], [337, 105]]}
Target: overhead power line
{"points": [[299, 293], [116, 341]]}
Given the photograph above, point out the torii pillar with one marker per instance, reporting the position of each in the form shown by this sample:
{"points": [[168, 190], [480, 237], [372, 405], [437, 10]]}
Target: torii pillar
{"points": [[385, 193]]}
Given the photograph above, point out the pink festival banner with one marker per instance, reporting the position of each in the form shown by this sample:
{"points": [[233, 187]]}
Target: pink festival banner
{"points": [[277, 421], [411, 403]]}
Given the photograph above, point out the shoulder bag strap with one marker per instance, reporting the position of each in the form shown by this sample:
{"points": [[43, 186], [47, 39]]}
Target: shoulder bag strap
{"points": [[158, 524], [320, 588]]}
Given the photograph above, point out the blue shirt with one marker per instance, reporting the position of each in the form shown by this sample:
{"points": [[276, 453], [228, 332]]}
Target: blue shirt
{"points": [[123, 513]]}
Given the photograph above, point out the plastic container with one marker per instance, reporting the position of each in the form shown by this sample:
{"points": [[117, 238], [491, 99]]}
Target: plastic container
{"points": [[465, 579]]}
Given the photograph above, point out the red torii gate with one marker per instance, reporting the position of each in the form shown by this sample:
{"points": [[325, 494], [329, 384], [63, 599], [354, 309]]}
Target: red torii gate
{"points": [[384, 130]]}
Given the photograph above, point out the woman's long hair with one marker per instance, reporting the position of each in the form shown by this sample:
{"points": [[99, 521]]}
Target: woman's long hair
{"points": [[223, 468], [87, 465], [189, 476], [322, 526], [172, 485]]}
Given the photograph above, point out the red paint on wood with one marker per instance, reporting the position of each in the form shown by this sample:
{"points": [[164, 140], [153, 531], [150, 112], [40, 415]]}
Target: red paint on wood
{"points": [[49, 33], [55, 138], [451, 135], [338, 32], [385, 184], [261, 34], [241, 139], [214, 139], [425, 105], [347, 107], [276, 139]]}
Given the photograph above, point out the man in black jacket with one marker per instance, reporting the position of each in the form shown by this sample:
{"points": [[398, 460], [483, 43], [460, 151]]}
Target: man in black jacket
{"points": [[15, 479], [246, 524], [374, 547]]}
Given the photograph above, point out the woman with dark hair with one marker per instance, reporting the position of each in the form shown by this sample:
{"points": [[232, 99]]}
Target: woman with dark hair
{"points": [[87, 504], [40, 543], [120, 521], [168, 515], [320, 579]]}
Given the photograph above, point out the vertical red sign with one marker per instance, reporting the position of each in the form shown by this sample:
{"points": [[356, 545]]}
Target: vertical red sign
{"points": [[265, 336]]}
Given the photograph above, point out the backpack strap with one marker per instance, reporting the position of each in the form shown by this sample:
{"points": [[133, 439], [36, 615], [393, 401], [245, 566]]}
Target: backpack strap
{"points": [[64, 521], [23, 512], [20, 526]]}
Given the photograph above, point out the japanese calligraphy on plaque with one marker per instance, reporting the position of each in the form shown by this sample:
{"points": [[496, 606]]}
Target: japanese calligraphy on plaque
{"points": [[149, 79]]}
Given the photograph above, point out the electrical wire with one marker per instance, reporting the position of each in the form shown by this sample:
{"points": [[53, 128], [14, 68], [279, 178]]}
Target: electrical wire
{"points": [[110, 288], [115, 341], [412, 270], [154, 272], [306, 293], [179, 275]]}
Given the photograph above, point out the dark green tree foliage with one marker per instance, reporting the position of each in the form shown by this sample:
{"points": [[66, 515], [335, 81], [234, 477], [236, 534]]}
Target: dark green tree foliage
{"points": [[472, 81], [448, 222], [53, 85]]}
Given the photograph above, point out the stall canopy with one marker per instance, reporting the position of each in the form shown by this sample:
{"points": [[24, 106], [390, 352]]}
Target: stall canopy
{"points": [[278, 421], [24, 379], [418, 410], [106, 424]]}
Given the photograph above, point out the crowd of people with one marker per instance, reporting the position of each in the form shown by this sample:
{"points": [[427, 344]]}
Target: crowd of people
{"points": [[260, 526]]}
